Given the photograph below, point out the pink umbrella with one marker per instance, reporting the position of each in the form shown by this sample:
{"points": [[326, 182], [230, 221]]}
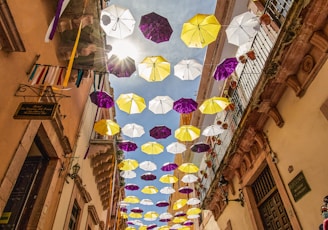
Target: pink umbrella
{"points": [[185, 190], [127, 146], [137, 210], [148, 176], [185, 105], [160, 132], [102, 99], [169, 167], [162, 204], [200, 147], [225, 68], [131, 187]]}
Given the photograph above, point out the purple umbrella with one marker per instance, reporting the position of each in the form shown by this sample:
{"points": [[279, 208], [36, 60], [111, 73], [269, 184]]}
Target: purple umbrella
{"points": [[179, 214], [185, 190], [225, 68], [127, 146], [164, 220], [169, 167], [188, 223], [200, 147], [155, 27], [123, 209], [160, 132], [137, 210], [131, 187], [152, 226], [162, 203], [148, 176], [121, 67], [185, 105], [102, 99]]}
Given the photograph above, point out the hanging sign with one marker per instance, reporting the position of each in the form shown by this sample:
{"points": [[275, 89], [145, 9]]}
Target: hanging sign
{"points": [[299, 186], [36, 110]]}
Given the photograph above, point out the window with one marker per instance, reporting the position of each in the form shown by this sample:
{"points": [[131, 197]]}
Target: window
{"points": [[74, 219]]}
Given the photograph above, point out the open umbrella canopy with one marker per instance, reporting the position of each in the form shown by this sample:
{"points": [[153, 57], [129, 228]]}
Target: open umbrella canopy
{"points": [[121, 67], [162, 203], [193, 201], [187, 133], [165, 227], [200, 30], [151, 226], [133, 130], [179, 220], [131, 187], [185, 105], [160, 104], [148, 176], [149, 189], [151, 215], [128, 174], [192, 217], [200, 147], [214, 105], [180, 213], [188, 168], [155, 27], [242, 28], [135, 215], [168, 179], [148, 166], [102, 99], [188, 223], [188, 69], [176, 147], [160, 132], [106, 127], [213, 130], [189, 178], [193, 211], [225, 68], [127, 146], [117, 21], [147, 202], [152, 148], [170, 166], [154, 68], [131, 199], [131, 103], [128, 164], [185, 190], [179, 204], [167, 190], [165, 215]]}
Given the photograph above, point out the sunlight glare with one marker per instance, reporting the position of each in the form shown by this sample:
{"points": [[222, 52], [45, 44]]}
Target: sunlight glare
{"points": [[122, 49]]}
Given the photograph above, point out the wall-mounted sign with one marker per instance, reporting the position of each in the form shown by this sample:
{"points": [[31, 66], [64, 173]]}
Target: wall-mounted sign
{"points": [[299, 186], [4, 219], [36, 110]]}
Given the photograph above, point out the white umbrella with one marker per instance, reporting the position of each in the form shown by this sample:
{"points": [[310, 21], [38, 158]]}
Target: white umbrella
{"points": [[133, 130], [189, 178], [166, 215], [128, 174], [242, 28], [146, 202], [167, 190], [212, 130], [191, 217], [161, 104], [188, 69], [117, 21], [148, 166], [176, 147], [193, 201], [176, 226]]}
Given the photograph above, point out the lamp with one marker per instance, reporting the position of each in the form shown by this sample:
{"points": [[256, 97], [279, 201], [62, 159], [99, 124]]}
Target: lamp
{"points": [[76, 169], [224, 182]]}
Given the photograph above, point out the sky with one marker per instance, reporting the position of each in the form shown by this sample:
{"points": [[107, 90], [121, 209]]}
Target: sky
{"points": [[174, 50]]}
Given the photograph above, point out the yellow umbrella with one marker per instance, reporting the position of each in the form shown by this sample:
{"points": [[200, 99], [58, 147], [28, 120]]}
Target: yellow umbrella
{"points": [[188, 168], [178, 220], [187, 133], [143, 227], [200, 30], [214, 105], [128, 164], [165, 227], [151, 215], [179, 204], [169, 179], [131, 103], [106, 127], [152, 148], [131, 199], [124, 215], [184, 228], [154, 68], [135, 215], [193, 211], [130, 228], [149, 189]]}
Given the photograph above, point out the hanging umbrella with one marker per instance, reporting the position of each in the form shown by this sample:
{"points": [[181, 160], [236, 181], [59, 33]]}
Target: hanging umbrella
{"points": [[200, 147], [179, 204], [143, 227], [128, 174], [160, 132], [225, 68], [176, 226], [121, 67], [128, 164], [188, 168], [162, 203], [188, 69], [148, 166], [184, 227], [106, 127], [180, 213], [165, 215], [154, 68], [242, 28], [189, 178], [165, 227], [131, 199], [155, 27], [193, 211], [200, 30], [123, 209], [127, 146], [131, 187], [168, 179], [149, 189], [191, 217], [130, 228], [117, 21], [179, 220], [193, 201], [152, 148], [138, 222], [167, 190], [185, 105], [133, 130], [188, 223], [135, 215], [102, 99], [185, 190], [137, 210], [170, 166], [214, 105], [165, 220], [148, 176], [152, 226], [213, 130], [160, 104], [124, 215], [176, 148], [187, 133], [151, 215], [131, 103], [146, 202]]}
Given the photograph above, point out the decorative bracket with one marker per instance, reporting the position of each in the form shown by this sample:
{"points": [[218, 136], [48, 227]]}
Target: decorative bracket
{"points": [[32, 91]]}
